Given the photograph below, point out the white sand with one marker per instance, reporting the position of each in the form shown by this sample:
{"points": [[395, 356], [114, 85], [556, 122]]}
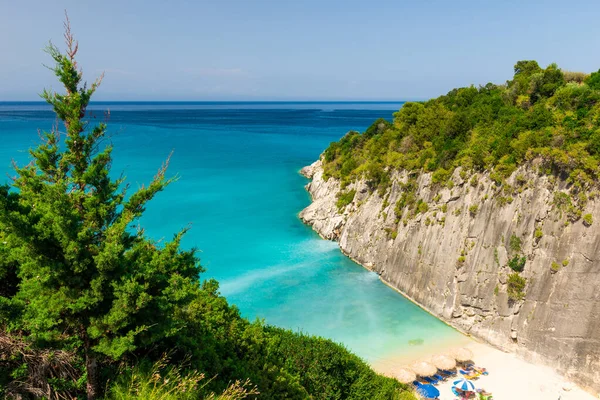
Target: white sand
{"points": [[510, 378]]}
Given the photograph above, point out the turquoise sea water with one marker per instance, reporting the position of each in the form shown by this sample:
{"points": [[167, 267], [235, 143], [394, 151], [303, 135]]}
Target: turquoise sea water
{"points": [[240, 190]]}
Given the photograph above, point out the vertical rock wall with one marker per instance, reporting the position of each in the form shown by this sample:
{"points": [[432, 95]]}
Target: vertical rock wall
{"points": [[452, 260]]}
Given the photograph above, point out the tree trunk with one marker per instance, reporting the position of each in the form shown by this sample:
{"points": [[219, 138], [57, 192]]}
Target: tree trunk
{"points": [[91, 365]]}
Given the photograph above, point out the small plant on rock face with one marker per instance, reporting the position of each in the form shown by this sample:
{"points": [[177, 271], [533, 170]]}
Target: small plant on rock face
{"points": [[565, 263], [344, 198], [554, 266], [515, 243], [538, 233], [474, 181], [473, 210], [516, 287], [588, 220], [517, 263]]}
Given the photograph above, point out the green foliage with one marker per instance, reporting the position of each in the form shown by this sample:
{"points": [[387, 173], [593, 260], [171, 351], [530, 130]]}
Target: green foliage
{"points": [[565, 263], [538, 234], [541, 113], [593, 81], [79, 284], [517, 263], [344, 198], [516, 287], [327, 370], [515, 243], [86, 279], [588, 220], [473, 209], [555, 266]]}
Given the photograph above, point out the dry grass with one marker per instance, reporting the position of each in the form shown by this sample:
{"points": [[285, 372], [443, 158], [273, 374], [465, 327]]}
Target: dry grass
{"points": [[43, 366], [577, 77]]}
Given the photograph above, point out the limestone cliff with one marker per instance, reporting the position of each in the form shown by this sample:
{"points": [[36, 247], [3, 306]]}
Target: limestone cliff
{"points": [[452, 260]]}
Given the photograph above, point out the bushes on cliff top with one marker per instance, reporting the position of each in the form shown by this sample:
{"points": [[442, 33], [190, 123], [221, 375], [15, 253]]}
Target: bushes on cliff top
{"points": [[537, 114]]}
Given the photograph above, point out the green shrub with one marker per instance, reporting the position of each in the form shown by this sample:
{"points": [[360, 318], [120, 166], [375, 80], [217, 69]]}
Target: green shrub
{"points": [[344, 198], [538, 234], [588, 220], [516, 286], [565, 263], [440, 175], [554, 266], [422, 207], [473, 210], [338, 374], [515, 243], [461, 260], [517, 263], [444, 207]]}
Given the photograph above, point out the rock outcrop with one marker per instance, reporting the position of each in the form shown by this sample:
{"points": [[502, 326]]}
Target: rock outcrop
{"points": [[453, 258]]}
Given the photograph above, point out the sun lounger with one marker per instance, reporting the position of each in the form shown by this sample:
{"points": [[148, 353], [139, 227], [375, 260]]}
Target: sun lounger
{"points": [[447, 372], [431, 380]]}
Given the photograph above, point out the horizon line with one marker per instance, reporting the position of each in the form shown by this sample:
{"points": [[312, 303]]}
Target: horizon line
{"points": [[225, 101]]}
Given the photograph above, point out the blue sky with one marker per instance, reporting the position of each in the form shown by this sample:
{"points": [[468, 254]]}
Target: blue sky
{"points": [[293, 49]]}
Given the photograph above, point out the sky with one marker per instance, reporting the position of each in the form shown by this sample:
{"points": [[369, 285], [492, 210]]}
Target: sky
{"points": [[249, 50]]}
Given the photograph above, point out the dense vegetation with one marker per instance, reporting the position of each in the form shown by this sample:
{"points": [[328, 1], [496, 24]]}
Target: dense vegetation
{"points": [[548, 115], [91, 307]]}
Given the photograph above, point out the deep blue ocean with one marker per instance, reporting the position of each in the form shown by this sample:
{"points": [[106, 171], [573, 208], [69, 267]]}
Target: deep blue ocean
{"points": [[240, 190]]}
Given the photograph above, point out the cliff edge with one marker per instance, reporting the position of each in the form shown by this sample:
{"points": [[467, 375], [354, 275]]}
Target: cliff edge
{"points": [[458, 255]]}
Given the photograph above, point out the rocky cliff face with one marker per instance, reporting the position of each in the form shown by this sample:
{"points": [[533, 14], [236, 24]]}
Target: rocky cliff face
{"points": [[453, 260]]}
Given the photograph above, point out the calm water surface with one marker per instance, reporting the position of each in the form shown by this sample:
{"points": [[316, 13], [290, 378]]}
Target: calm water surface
{"points": [[240, 190]]}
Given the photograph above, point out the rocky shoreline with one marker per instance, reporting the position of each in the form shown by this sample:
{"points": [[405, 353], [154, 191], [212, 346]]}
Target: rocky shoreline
{"points": [[452, 260]]}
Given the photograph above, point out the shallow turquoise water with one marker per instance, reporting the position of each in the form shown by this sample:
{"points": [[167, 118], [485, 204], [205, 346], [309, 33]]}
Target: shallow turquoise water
{"points": [[240, 189]]}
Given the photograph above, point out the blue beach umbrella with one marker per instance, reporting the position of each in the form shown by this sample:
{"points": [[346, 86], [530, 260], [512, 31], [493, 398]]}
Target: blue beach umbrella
{"points": [[465, 385], [428, 391]]}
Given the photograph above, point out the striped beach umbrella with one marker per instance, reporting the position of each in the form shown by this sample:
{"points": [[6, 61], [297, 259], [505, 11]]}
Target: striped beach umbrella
{"points": [[464, 385]]}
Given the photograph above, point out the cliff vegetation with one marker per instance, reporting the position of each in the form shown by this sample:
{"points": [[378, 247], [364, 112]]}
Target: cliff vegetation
{"points": [[543, 115]]}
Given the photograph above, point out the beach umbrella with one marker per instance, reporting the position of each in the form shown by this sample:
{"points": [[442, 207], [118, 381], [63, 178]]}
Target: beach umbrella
{"points": [[428, 391], [405, 375], [443, 362], [423, 368], [462, 354], [464, 385]]}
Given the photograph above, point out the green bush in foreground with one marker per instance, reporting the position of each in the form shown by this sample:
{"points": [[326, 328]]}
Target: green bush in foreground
{"points": [[89, 305]]}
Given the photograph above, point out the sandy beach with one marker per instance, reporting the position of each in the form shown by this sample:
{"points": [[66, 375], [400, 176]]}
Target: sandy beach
{"points": [[510, 378]]}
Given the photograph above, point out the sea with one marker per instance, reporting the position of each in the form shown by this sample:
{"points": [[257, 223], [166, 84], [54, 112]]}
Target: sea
{"points": [[239, 190]]}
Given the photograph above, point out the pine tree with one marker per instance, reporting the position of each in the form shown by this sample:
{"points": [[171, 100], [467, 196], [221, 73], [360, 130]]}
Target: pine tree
{"points": [[87, 279]]}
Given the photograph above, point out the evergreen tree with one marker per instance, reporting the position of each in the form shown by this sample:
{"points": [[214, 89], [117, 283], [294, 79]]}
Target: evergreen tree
{"points": [[87, 280]]}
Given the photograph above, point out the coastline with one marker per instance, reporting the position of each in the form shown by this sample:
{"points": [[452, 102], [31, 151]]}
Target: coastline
{"points": [[509, 377], [541, 382]]}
